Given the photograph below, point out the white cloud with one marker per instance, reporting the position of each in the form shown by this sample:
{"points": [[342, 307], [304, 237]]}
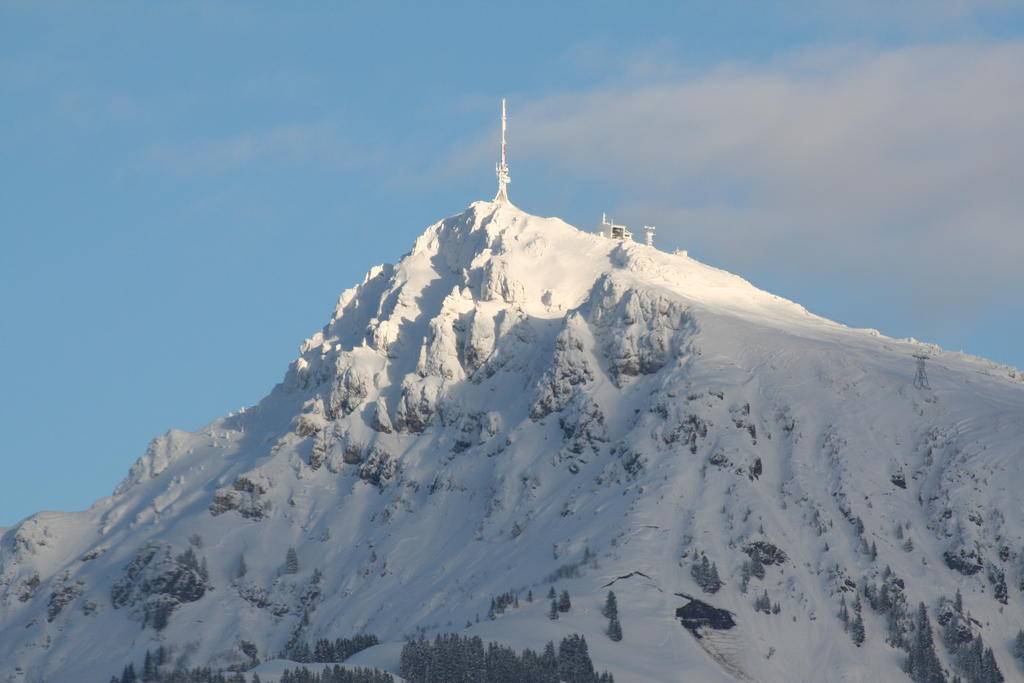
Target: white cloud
{"points": [[908, 161]]}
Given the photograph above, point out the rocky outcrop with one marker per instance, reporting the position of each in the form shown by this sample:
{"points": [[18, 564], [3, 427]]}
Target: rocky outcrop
{"points": [[764, 552], [378, 468], [697, 616], [157, 581], [244, 496], [568, 371], [63, 594]]}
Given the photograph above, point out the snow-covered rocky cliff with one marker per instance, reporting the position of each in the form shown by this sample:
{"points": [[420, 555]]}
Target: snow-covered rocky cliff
{"points": [[518, 404]]}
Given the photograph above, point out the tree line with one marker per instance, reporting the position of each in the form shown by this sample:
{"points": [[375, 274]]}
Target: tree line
{"points": [[451, 658]]}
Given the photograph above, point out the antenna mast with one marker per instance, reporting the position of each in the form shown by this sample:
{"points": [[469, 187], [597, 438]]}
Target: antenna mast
{"points": [[502, 169]]}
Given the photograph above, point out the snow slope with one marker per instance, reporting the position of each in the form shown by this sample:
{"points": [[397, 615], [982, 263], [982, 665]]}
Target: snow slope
{"points": [[518, 404]]}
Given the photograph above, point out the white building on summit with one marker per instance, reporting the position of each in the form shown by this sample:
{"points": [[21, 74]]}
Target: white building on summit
{"points": [[612, 230]]}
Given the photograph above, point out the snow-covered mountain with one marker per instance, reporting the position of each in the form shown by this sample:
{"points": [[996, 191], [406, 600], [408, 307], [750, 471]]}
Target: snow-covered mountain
{"points": [[519, 404]]}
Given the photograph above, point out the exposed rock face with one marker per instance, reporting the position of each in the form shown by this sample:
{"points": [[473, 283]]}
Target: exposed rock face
{"points": [[61, 597], [967, 561], [379, 419], [696, 616], [157, 581], [640, 331], [569, 369], [378, 468], [765, 552], [245, 496]]}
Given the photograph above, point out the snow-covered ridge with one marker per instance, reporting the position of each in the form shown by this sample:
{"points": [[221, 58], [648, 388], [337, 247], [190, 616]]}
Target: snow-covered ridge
{"points": [[517, 403]]}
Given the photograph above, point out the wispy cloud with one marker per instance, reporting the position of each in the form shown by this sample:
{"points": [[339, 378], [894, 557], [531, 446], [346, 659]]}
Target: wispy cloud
{"points": [[913, 12], [297, 143], [904, 161]]}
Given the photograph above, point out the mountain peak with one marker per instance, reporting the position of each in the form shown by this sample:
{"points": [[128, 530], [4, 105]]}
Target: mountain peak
{"points": [[517, 403]]}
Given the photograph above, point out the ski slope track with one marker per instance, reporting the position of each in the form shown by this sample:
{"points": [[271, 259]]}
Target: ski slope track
{"points": [[518, 404]]}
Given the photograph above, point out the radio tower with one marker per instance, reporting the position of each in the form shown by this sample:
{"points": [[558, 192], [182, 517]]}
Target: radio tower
{"points": [[502, 169]]}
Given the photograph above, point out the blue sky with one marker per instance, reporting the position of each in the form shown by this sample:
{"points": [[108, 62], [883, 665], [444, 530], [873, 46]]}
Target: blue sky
{"points": [[187, 187]]}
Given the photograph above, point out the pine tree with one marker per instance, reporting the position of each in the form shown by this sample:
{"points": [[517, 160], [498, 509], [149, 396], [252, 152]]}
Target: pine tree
{"points": [[763, 603], [611, 607], [922, 663], [844, 614], [714, 582], [553, 614], [291, 562], [614, 628], [574, 665], [857, 630], [551, 593], [970, 658], [951, 635], [745, 574], [149, 667], [323, 651], [997, 577], [1018, 646], [894, 629], [756, 568], [699, 570], [301, 653], [529, 596], [564, 605], [705, 574], [990, 669], [188, 559], [549, 662]]}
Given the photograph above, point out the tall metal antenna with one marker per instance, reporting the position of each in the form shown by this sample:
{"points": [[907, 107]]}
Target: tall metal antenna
{"points": [[502, 169]]}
